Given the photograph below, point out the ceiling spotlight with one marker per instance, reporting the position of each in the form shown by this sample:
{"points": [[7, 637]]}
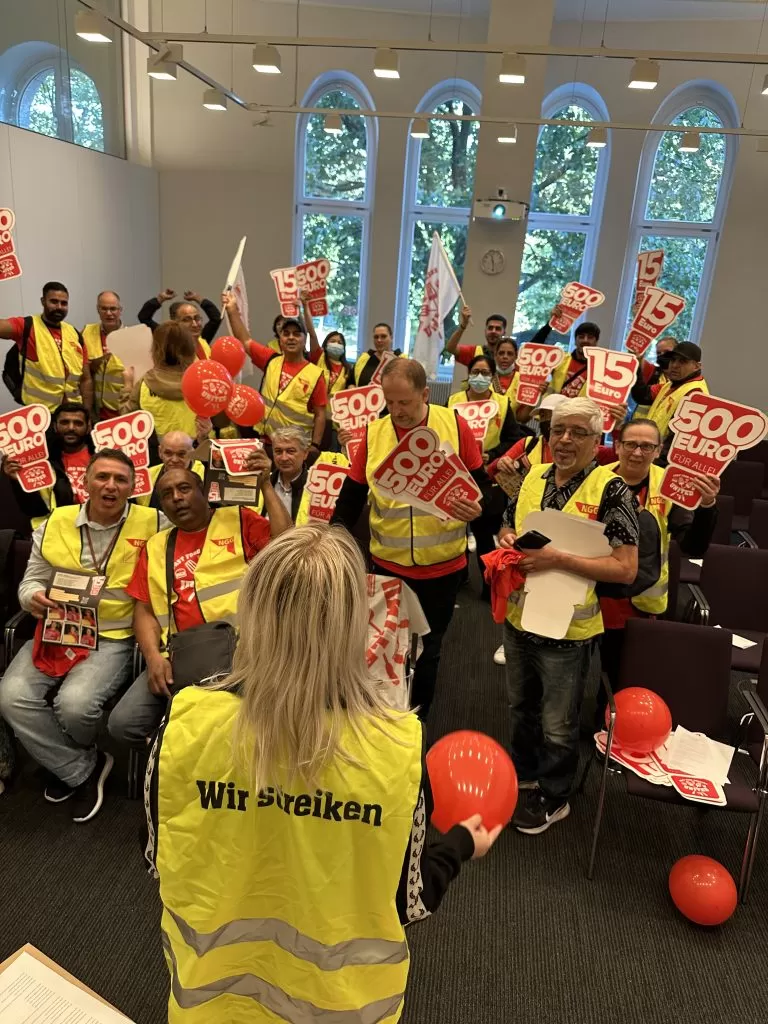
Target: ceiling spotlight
{"points": [[507, 134], [163, 64], [764, 90], [90, 25], [332, 124], [213, 99], [690, 143], [645, 75], [419, 128], [266, 59], [386, 64], [597, 138], [512, 69]]}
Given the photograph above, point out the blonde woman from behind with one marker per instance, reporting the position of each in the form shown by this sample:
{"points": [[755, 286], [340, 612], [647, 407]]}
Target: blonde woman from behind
{"points": [[280, 802]]}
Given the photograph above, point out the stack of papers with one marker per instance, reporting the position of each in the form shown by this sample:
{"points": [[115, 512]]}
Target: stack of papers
{"points": [[741, 641], [694, 765]]}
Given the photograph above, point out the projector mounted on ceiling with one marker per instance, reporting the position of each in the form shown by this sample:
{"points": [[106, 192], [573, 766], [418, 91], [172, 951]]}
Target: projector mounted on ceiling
{"points": [[501, 208]]}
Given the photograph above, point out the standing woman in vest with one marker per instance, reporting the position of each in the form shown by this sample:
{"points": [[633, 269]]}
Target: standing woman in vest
{"points": [[287, 810], [369, 361]]}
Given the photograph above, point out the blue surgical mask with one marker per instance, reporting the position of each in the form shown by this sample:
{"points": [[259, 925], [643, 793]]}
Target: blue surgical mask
{"points": [[334, 349], [479, 382]]}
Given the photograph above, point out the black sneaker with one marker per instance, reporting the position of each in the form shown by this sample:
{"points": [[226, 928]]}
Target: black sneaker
{"points": [[89, 795], [538, 813], [56, 791]]}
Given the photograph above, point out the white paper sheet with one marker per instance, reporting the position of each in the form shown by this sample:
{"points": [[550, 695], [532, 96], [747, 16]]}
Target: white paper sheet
{"points": [[31, 992], [696, 561], [693, 753], [741, 641]]}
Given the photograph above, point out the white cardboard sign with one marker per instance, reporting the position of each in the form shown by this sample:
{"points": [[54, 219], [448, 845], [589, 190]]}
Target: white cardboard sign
{"points": [[133, 347]]}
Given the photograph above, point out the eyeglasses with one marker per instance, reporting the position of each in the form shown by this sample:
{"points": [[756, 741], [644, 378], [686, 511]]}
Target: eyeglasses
{"points": [[645, 446], [577, 433], [191, 319]]}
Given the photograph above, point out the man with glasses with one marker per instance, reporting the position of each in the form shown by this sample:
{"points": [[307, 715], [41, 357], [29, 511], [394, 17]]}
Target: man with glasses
{"points": [[188, 315], [545, 677], [106, 369]]}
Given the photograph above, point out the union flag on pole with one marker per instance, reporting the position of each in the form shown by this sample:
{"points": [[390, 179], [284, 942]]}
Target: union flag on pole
{"points": [[441, 292]]}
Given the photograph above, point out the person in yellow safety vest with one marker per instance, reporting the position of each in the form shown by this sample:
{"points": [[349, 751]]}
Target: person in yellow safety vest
{"points": [[367, 363], [287, 807], [52, 364], [176, 451], [570, 377], [210, 550], [187, 314], [329, 458], [655, 373], [495, 325], [103, 538], [107, 369], [683, 377], [159, 390], [545, 677], [427, 553], [506, 379]]}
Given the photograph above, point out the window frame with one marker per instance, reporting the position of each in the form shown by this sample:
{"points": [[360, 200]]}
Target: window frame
{"points": [[60, 64]]}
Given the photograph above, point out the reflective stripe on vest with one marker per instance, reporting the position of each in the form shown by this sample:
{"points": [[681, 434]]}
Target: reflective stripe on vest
{"points": [[55, 376], [667, 400], [61, 547], [108, 382], [289, 407], [411, 539], [169, 413], [492, 437]]}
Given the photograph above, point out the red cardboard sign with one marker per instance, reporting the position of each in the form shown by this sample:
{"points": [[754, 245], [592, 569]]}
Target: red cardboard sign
{"points": [[383, 360], [22, 439], [37, 476], [657, 313], [353, 409], [9, 263], [610, 376], [129, 433], [649, 266], [235, 456], [289, 281], [535, 364], [574, 300], [324, 483], [478, 415]]}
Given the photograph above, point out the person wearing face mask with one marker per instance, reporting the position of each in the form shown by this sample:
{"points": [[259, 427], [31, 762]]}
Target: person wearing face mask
{"points": [[683, 376], [368, 362], [331, 358], [655, 373], [107, 370]]}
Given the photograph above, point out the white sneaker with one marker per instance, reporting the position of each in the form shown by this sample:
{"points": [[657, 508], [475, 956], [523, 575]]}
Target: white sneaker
{"points": [[499, 658], [471, 543]]}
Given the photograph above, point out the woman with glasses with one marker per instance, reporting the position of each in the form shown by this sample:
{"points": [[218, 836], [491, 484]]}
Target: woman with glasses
{"points": [[187, 314]]}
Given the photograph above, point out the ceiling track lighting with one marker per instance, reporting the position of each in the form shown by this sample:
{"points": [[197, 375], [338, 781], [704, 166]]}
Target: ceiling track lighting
{"points": [[507, 134], [266, 59], [332, 124], [90, 25], [690, 143], [420, 128], [163, 65], [386, 64], [645, 75], [512, 69], [597, 138], [213, 99]]}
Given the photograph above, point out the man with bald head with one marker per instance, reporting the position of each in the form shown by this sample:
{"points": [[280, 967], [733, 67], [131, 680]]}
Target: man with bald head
{"points": [[176, 451], [106, 369], [209, 551]]}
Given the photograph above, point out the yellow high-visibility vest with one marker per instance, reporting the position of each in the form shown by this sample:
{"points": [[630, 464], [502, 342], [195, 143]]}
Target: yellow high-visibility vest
{"points": [[154, 473], [279, 905], [205, 347], [360, 364], [289, 407], [511, 392], [169, 413], [561, 375], [336, 459], [61, 546], [55, 376], [492, 437], [342, 381], [402, 534], [667, 400], [108, 380], [587, 620]]}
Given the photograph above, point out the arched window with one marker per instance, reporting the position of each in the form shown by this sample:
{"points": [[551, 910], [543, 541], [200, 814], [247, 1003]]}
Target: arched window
{"points": [[680, 202], [334, 195], [569, 181], [439, 183]]}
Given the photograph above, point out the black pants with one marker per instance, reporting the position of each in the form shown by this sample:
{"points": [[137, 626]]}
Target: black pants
{"points": [[611, 643], [484, 529], [437, 598]]}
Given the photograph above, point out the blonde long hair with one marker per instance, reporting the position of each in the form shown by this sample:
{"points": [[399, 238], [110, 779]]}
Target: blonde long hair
{"points": [[300, 664]]}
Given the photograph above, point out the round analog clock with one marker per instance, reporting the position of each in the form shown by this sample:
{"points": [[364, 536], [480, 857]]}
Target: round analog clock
{"points": [[492, 261]]}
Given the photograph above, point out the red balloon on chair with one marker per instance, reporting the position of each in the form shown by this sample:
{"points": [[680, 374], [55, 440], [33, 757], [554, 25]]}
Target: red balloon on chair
{"points": [[246, 406], [230, 353], [643, 720], [206, 387], [702, 890], [470, 773]]}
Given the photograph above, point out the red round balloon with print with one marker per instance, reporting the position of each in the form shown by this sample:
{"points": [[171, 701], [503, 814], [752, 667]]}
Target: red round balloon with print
{"points": [[206, 387], [230, 353], [643, 720], [246, 406], [702, 890], [470, 773]]}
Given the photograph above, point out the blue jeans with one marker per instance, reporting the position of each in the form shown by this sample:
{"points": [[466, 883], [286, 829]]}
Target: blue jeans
{"points": [[137, 715], [61, 736], [545, 685]]}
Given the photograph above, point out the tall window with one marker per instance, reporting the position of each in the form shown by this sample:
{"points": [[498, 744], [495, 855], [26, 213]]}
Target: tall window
{"points": [[334, 194], [63, 106], [569, 181], [680, 201], [439, 183]]}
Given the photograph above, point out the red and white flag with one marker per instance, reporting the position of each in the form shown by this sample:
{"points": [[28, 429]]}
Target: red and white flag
{"points": [[441, 292], [236, 282]]}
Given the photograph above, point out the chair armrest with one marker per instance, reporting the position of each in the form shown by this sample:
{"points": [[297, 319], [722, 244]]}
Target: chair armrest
{"points": [[612, 716], [748, 690], [10, 633], [747, 540], [700, 603]]}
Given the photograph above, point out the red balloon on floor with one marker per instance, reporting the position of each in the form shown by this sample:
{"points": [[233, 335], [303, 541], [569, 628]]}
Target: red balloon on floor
{"points": [[470, 773], [643, 720], [230, 353], [702, 890], [246, 406], [206, 386]]}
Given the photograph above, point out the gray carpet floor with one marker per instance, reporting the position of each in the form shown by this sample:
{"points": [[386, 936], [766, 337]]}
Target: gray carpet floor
{"points": [[522, 936]]}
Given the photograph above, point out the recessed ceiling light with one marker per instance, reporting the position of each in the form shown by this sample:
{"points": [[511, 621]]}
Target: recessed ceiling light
{"points": [[645, 75], [420, 128], [512, 69], [213, 99], [163, 64], [90, 25], [690, 142], [332, 124], [386, 64], [507, 134], [597, 138], [266, 59]]}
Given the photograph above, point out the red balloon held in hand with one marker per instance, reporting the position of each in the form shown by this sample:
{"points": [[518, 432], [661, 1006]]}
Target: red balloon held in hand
{"points": [[246, 406], [470, 773], [206, 387], [702, 890], [230, 353], [643, 720]]}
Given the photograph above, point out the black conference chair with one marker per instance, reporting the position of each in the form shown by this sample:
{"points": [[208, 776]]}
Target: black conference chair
{"points": [[744, 481], [757, 532], [11, 516], [759, 454], [690, 573]]}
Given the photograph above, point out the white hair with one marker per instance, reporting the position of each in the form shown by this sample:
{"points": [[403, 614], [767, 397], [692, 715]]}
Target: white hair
{"points": [[301, 437], [583, 407]]}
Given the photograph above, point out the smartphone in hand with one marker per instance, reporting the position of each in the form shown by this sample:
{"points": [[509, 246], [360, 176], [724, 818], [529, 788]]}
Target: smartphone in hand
{"points": [[531, 541]]}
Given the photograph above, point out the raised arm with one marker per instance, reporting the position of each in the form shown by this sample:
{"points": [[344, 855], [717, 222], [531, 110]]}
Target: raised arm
{"points": [[279, 516], [147, 312], [6, 330], [314, 344], [231, 308], [453, 342]]}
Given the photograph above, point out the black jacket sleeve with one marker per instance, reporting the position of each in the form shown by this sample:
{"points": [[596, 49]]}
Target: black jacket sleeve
{"points": [[540, 337], [349, 504], [693, 532], [641, 392], [31, 505], [147, 313], [213, 313]]}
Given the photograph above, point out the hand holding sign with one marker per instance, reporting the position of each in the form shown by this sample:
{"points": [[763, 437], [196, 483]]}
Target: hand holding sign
{"points": [[610, 376], [478, 415], [310, 277], [574, 300], [129, 433], [23, 442], [9, 263], [352, 410], [324, 483], [657, 313], [535, 363]]}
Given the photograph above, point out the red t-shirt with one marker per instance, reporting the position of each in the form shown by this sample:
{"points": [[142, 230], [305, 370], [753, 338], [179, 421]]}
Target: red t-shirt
{"points": [[506, 379], [17, 325], [334, 369], [186, 610], [464, 354], [470, 455], [574, 367], [260, 356], [75, 465]]}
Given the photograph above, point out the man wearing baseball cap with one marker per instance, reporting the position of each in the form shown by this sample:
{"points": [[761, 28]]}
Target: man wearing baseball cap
{"points": [[683, 376]]}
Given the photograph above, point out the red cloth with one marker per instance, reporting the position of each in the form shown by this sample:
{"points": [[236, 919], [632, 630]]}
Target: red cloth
{"points": [[464, 354], [261, 355], [54, 660], [17, 324], [75, 465], [503, 577], [505, 379]]}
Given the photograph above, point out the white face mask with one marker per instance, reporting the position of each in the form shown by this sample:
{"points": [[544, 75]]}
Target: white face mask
{"points": [[479, 383], [334, 349]]}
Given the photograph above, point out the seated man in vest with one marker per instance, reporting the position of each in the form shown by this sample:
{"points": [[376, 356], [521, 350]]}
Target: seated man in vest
{"points": [[106, 369], [683, 375], [427, 553], [188, 315], [51, 353], [290, 448], [545, 678], [176, 451], [103, 537], [211, 550], [368, 363]]}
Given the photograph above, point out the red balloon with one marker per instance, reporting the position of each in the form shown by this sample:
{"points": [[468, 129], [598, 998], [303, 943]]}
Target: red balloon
{"points": [[230, 353], [246, 406], [643, 720], [206, 387], [471, 774], [702, 890]]}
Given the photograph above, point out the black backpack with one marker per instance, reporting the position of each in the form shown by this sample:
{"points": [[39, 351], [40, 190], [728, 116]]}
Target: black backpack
{"points": [[16, 364]]}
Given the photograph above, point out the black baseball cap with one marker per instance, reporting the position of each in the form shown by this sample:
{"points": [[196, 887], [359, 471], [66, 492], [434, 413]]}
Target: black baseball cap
{"points": [[292, 321], [686, 350]]}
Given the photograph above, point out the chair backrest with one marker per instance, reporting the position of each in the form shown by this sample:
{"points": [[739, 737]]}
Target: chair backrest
{"points": [[735, 582], [758, 454], [758, 523], [673, 591], [11, 516], [689, 667], [724, 527], [744, 481]]}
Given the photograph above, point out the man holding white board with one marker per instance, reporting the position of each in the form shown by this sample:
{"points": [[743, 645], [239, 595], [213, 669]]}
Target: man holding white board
{"points": [[547, 669]]}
